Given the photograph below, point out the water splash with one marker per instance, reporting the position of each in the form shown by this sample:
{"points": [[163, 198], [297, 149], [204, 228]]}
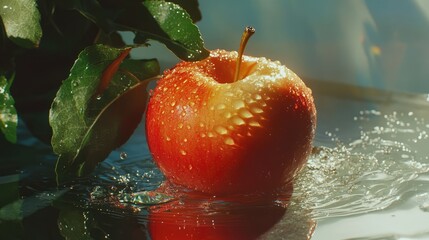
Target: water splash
{"points": [[369, 173]]}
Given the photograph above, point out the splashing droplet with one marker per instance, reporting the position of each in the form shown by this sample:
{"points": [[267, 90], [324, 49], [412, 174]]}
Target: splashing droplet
{"points": [[123, 155], [424, 207]]}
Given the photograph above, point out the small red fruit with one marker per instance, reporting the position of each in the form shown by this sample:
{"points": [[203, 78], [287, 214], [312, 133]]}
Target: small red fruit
{"points": [[214, 132]]}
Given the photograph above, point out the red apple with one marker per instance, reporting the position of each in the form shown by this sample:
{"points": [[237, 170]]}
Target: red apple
{"points": [[217, 133]]}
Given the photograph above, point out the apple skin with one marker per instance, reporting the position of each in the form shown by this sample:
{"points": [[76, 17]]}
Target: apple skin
{"points": [[220, 137]]}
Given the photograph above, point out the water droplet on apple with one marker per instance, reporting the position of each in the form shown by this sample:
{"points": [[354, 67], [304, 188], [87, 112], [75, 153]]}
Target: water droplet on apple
{"points": [[228, 94], [238, 121], [201, 124], [203, 135], [191, 104], [190, 167], [227, 114], [244, 113], [295, 106], [123, 155], [221, 106], [229, 141], [168, 138], [238, 104], [254, 123], [221, 130], [210, 134], [180, 125], [256, 110], [183, 152], [257, 97], [173, 103], [185, 140], [98, 97], [249, 100]]}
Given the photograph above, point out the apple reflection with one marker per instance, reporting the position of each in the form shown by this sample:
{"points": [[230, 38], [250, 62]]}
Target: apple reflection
{"points": [[212, 220]]}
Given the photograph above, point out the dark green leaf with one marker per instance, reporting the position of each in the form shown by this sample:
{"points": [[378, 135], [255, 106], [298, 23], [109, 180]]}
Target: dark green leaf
{"points": [[87, 126], [8, 116], [21, 19], [165, 22], [113, 39], [191, 6], [92, 10]]}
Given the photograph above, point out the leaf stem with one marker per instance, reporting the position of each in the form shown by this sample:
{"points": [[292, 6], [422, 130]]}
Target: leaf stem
{"points": [[248, 32]]}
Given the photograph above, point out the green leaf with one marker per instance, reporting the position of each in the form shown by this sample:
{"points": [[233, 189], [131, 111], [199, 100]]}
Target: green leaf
{"points": [[21, 20], [93, 11], [191, 6], [92, 114], [8, 115], [165, 22]]}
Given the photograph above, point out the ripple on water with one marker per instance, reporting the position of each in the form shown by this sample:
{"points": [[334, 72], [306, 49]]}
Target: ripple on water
{"points": [[369, 173]]}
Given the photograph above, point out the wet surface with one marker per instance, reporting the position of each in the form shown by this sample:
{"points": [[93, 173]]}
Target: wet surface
{"points": [[367, 178]]}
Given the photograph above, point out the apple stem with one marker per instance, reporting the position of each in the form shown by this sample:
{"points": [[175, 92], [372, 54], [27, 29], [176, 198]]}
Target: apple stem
{"points": [[248, 32]]}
